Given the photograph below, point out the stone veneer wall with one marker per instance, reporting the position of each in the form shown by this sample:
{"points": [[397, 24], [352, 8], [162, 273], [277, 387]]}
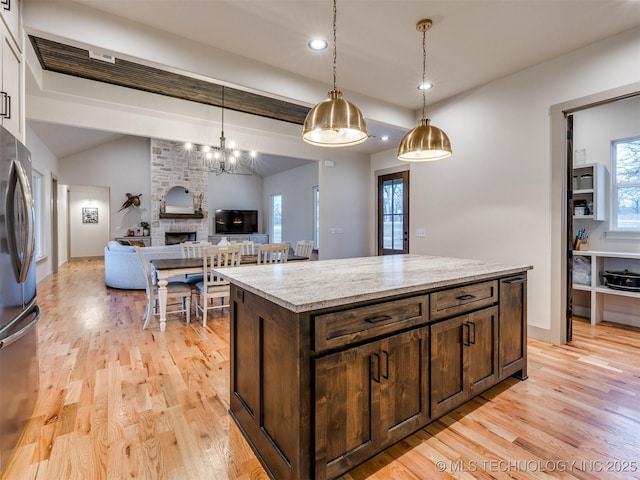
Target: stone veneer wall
{"points": [[169, 168]]}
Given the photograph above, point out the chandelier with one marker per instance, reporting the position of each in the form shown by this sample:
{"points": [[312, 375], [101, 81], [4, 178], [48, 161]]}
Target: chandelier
{"points": [[224, 158]]}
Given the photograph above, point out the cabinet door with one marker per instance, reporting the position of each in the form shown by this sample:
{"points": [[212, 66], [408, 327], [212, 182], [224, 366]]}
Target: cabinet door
{"points": [[513, 327], [404, 384], [447, 365], [481, 350], [11, 15], [11, 101], [344, 421]]}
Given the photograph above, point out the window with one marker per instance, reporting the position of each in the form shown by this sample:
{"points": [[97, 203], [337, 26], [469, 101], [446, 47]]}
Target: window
{"points": [[276, 218], [316, 217], [36, 191], [625, 193]]}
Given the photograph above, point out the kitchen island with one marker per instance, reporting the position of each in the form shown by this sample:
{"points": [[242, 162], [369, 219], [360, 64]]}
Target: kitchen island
{"points": [[334, 361]]}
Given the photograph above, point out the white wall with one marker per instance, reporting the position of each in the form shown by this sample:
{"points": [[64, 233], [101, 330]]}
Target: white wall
{"points": [[296, 187], [235, 192], [594, 130], [88, 239], [344, 207], [494, 198], [44, 162], [123, 165]]}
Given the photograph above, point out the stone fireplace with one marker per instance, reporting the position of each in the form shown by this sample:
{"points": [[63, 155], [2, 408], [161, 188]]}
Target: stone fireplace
{"points": [[171, 168]]}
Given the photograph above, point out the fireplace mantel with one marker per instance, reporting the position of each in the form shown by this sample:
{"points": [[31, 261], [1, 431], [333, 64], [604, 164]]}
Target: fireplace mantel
{"points": [[182, 216]]}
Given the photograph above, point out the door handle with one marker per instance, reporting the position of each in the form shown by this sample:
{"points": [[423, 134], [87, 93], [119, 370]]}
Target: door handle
{"points": [[20, 215], [24, 330]]}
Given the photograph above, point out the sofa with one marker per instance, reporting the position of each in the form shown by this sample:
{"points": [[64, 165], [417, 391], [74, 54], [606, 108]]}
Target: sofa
{"points": [[122, 268]]}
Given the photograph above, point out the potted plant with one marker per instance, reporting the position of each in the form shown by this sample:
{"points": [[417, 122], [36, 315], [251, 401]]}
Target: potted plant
{"points": [[145, 228]]}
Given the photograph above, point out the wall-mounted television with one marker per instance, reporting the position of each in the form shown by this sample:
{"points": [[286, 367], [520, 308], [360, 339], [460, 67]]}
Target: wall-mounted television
{"points": [[236, 221]]}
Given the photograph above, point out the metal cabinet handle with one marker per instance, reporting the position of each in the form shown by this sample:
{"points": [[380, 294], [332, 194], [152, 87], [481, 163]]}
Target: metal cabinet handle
{"points": [[466, 297], [240, 295], [6, 4], [381, 318], [375, 367], [467, 329], [385, 373], [472, 342], [515, 280], [6, 105], [8, 109]]}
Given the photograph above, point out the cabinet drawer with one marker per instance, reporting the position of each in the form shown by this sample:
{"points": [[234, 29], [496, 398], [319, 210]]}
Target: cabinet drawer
{"points": [[349, 326], [463, 299]]}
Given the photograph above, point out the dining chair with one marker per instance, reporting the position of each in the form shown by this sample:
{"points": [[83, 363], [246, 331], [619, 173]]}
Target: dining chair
{"points": [[304, 248], [193, 249], [180, 290], [247, 246], [212, 285], [273, 253]]}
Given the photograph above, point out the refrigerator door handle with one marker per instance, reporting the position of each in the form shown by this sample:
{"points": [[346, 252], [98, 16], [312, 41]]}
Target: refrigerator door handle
{"points": [[24, 330], [22, 219]]}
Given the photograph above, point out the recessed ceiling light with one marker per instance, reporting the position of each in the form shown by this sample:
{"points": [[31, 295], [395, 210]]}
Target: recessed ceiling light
{"points": [[425, 86], [384, 138], [318, 44]]}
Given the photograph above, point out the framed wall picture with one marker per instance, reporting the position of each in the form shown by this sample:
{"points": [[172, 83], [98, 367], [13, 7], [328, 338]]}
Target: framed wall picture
{"points": [[89, 215]]}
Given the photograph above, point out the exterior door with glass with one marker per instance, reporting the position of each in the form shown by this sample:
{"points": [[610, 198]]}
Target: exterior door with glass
{"points": [[393, 213]]}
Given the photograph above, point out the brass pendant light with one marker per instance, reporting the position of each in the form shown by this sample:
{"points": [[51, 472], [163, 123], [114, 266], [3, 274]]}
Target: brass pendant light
{"points": [[425, 142], [335, 122]]}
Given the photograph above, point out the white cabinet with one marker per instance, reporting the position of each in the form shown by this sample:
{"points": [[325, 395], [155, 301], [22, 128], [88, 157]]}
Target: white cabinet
{"points": [[11, 13], [12, 69], [590, 192], [11, 108]]}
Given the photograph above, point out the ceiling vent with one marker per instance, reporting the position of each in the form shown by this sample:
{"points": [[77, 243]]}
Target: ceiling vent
{"points": [[102, 56]]}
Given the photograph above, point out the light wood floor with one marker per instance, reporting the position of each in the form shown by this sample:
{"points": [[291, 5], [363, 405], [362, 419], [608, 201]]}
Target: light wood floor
{"points": [[119, 402]]}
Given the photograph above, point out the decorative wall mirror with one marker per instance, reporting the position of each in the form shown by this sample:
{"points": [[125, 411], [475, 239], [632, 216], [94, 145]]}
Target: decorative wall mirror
{"points": [[179, 200]]}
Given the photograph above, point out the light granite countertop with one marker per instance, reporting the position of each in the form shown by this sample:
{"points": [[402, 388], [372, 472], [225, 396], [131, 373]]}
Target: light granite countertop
{"points": [[306, 286]]}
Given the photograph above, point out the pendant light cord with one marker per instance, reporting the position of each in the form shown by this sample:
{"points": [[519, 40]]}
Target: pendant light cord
{"points": [[335, 47], [424, 72], [222, 125]]}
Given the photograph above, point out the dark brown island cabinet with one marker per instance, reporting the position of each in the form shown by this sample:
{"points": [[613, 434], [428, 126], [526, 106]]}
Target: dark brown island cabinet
{"points": [[322, 381]]}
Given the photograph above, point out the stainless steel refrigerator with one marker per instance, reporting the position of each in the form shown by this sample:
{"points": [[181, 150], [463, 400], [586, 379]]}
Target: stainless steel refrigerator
{"points": [[19, 311]]}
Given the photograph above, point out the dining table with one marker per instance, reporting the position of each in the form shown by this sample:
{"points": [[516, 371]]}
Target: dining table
{"points": [[169, 267]]}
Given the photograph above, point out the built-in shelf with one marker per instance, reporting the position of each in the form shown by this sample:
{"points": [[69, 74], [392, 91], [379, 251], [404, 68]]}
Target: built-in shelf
{"points": [[181, 216], [599, 262], [590, 182]]}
